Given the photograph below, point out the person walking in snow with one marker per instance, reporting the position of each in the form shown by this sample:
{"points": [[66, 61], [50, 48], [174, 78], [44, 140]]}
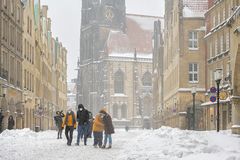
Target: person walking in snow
{"points": [[70, 123], [59, 122], [90, 125], [11, 122], [108, 128], [1, 119], [98, 128], [83, 123]]}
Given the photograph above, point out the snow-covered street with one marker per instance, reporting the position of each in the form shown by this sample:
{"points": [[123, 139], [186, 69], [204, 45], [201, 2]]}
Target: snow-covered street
{"points": [[162, 144]]}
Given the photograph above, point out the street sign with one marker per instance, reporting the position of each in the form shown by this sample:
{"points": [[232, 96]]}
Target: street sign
{"points": [[213, 98], [213, 90]]}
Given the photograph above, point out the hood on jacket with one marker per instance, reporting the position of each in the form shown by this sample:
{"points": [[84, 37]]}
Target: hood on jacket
{"points": [[80, 107]]}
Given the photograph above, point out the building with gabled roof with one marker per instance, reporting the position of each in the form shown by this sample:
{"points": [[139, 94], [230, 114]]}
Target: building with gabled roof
{"points": [[184, 63]]}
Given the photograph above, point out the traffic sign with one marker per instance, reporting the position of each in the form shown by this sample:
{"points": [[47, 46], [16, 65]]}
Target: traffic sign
{"points": [[213, 98], [213, 90]]}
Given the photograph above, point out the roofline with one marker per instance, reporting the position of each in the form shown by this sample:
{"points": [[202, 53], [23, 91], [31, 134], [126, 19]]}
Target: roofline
{"points": [[141, 15]]}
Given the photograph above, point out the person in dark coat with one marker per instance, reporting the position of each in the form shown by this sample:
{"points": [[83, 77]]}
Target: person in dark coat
{"points": [[1, 119], [90, 125], [59, 122], [108, 128], [83, 123], [11, 122]]}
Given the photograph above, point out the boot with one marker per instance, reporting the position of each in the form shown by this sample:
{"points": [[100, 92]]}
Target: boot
{"points": [[110, 146], [104, 146]]}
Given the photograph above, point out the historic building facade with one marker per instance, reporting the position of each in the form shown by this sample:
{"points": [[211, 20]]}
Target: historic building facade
{"points": [[33, 66], [115, 66], [222, 39], [11, 29], [184, 62], [51, 70], [158, 76]]}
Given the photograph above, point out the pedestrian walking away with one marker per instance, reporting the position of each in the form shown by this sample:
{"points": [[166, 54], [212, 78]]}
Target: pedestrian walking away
{"points": [[108, 129], [1, 120], [11, 122], [83, 123], [59, 123], [90, 125], [70, 123], [98, 128]]}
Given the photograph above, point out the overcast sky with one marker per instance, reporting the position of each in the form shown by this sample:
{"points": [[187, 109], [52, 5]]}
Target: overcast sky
{"points": [[66, 19]]}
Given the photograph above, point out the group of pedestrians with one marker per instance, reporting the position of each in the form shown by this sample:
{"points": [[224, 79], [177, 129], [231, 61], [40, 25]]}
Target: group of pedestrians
{"points": [[85, 124]]}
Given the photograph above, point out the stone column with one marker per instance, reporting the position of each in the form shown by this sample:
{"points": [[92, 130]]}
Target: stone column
{"points": [[236, 115]]}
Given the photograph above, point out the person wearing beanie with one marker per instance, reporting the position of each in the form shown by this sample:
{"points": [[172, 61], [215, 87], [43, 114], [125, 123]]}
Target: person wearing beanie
{"points": [[98, 128], [59, 122]]}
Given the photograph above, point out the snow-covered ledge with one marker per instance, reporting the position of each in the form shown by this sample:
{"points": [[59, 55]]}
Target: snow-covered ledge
{"points": [[236, 129]]}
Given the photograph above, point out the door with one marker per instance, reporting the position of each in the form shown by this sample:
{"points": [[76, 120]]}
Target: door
{"points": [[224, 120]]}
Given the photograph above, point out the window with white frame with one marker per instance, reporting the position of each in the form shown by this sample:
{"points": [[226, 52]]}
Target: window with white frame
{"points": [[119, 82], [193, 40], [18, 14], [219, 17], [216, 47], [210, 50], [224, 13], [221, 44], [5, 3], [12, 6], [193, 73], [227, 41], [214, 21], [229, 10]]}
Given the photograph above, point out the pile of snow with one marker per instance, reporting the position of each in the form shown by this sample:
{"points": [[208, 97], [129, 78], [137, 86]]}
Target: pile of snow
{"points": [[169, 143], [165, 143]]}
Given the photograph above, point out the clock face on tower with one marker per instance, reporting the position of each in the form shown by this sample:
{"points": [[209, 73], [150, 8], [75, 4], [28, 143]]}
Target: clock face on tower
{"points": [[109, 15]]}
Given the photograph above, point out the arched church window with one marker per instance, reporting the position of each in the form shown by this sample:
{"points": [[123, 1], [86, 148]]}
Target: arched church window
{"points": [[147, 79], [115, 111], [124, 111], [119, 82]]}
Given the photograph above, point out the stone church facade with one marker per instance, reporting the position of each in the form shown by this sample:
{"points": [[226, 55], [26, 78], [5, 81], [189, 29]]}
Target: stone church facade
{"points": [[115, 65]]}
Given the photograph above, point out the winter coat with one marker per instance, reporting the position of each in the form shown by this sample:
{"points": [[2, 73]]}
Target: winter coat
{"points": [[82, 117], [59, 121], [108, 125], [98, 125], [70, 119], [10, 123]]}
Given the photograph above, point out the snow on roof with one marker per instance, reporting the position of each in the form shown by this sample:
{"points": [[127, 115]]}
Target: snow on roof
{"points": [[145, 22], [194, 8], [131, 55], [146, 7]]}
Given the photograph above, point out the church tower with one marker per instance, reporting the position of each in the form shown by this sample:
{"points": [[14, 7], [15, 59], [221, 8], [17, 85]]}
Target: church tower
{"points": [[98, 18]]}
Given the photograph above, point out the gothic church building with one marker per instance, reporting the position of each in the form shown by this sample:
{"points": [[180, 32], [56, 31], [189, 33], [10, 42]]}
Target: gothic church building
{"points": [[115, 65]]}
